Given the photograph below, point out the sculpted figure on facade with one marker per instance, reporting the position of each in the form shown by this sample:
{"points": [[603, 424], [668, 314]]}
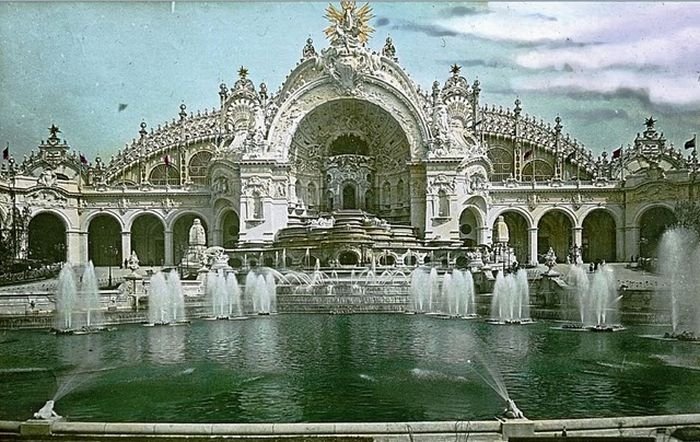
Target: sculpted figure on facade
{"points": [[197, 236], [220, 186], [47, 178]]}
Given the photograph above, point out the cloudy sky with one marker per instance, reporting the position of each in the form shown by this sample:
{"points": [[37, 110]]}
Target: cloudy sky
{"points": [[96, 69]]}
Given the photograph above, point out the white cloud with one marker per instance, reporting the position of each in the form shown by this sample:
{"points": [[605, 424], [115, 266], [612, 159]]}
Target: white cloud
{"points": [[599, 47], [677, 51], [664, 88]]}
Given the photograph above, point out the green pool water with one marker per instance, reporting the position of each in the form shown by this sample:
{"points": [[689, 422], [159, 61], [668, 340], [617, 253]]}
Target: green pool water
{"points": [[322, 368]]}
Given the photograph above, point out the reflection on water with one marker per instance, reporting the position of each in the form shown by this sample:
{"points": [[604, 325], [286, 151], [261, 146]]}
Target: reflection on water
{"points": [[166, 344], [345, 368]]}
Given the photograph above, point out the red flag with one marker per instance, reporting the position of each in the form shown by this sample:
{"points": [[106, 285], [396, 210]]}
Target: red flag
{"points": [[83, 160], [617, 153], [6, 153], [527, 155], [166, 160]]}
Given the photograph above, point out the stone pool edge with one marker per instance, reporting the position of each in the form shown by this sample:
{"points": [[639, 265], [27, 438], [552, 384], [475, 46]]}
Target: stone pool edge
{"points": [[652, 427]]}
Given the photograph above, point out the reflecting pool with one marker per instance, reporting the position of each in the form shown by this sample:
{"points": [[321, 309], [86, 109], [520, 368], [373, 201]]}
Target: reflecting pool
{"points": [[322, 368]]}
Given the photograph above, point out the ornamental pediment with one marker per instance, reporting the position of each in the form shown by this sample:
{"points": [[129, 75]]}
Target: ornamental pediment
{"points": [[46, 198]]}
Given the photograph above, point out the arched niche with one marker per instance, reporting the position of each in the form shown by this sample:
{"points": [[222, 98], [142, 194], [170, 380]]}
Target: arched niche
{"points": [[148, 239], [104, 240], [47, 238], [652, 224], [555, 230], [599, 236]]}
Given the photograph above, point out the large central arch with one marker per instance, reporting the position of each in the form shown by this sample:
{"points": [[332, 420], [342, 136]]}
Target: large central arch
{"points": [[349, 149]]}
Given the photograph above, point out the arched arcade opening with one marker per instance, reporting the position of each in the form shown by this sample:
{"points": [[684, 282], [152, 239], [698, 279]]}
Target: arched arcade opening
{"points": [[104, 241], [47, 238], [599, 237], [518, 232], [148, 240], [230, 228], [555, 230], [652, 225], [181, 234], [469, 227]]}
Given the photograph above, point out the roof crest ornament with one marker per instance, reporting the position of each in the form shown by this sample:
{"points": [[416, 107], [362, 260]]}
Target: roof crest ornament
{"points": [[349, 24]]}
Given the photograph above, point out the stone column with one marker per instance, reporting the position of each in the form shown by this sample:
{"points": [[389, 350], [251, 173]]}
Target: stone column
{"points": [[75, 252], [126, 245], [631, 241], [620, 245], [578, 236], [482, 235], [533, 245], [169, 259]]}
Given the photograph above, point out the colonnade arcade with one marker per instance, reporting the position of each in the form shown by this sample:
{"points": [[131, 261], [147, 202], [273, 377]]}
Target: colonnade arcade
{"points": [[107, 238], [160, 240], [598, 231]]}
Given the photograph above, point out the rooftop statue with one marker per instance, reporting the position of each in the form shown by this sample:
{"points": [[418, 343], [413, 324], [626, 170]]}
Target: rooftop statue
{"points": [[349, 25]]}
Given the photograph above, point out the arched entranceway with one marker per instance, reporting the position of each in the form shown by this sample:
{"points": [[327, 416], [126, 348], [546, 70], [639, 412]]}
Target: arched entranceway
{"points": [[148, 240], [349, 258], [361, 165], [469, 227], [181, 234], [599, 238], [518, 232], [349, 197], [230, 228], [554, 230], [652, 224], [104, 241], [47, 238]]}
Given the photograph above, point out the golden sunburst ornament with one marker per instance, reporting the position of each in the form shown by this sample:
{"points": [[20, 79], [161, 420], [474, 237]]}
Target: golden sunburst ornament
{"points": [[349, 23]]}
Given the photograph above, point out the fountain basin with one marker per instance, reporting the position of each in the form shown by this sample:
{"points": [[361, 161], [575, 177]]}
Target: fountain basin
{"points": [[358, 368]]}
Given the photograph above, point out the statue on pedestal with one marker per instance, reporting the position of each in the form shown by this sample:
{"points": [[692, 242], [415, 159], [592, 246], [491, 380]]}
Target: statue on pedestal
{"points": [[197, 244], [502, 232], [550, 260], [133, 262]]}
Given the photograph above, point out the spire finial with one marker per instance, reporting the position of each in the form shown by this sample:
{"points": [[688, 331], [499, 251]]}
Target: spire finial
{"points": [[243, 72], [649, 123], [143, 131], [183, 111], [455, 68]]}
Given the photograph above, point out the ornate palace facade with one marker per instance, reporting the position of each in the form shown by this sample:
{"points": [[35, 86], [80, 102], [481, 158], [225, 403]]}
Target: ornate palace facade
{"points": [[349, 159]]}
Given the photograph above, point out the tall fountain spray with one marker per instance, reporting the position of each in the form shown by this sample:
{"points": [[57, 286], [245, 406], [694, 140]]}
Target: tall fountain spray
{"points": [[65, 298], [166, 304], [217, 292], [425, 290], [454, 298], [235, 307], [511, 299], [596, 298], [261, 288], [679, 261], [78, 308], [90, 297], [458, 294]]}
